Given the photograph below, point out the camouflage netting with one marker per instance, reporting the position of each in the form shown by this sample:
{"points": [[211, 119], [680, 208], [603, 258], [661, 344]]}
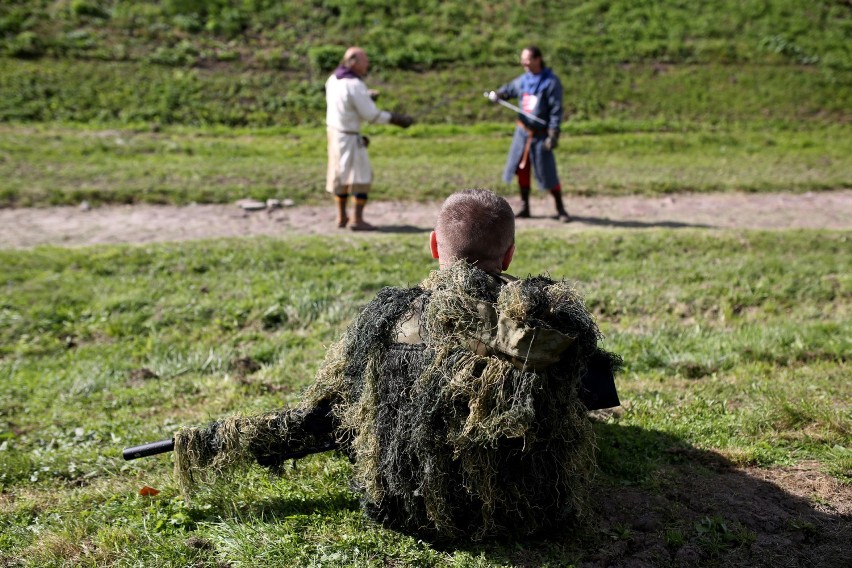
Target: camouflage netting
{"points": [[456, 400], [226, 446], [476, 429]]}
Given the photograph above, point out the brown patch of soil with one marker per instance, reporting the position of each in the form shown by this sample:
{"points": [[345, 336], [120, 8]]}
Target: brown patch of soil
{"points": [[725, 516], [73, 226]]}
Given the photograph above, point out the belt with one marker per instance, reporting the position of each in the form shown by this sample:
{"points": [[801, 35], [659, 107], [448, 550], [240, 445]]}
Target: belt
{"points": [[350, 132], [531, 132]]}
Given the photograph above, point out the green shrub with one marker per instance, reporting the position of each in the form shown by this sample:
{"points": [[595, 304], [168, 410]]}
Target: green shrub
{"points": [[188, 22], [229, 22], [26, 45], [324, 58], [188, 7], [13, 21], [183, 54], [88, 8]]}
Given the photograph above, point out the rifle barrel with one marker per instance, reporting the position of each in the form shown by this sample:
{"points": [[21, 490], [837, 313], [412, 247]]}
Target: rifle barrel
{"points": [[150, 449]]}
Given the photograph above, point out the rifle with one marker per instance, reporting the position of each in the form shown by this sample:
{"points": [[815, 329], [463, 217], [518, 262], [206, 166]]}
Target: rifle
{"points": [[269, 439], [165, 446]]}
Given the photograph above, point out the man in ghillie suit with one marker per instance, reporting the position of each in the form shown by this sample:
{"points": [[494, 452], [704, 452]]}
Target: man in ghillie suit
{"points": [[462, 402]]}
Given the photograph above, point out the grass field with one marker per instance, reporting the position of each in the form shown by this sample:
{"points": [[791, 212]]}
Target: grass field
{"points": [[52, 164], [736, 344], [733, 445]]}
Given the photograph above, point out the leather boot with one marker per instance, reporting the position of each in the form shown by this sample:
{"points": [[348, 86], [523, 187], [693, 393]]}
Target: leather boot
{"points": [[359, 224], [561, 214], [342, 217], [524, 211]]}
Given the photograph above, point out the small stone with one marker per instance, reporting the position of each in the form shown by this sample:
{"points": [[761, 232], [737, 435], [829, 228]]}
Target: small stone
{"points": [[251, 205], [288, 202], [85, 206], [273, 203]]}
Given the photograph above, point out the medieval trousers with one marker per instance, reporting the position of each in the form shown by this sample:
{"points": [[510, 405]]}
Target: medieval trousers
{"points": [[527, 149]]}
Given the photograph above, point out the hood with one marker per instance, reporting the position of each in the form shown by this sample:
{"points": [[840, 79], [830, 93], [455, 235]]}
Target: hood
{"points": [[531, 322]]}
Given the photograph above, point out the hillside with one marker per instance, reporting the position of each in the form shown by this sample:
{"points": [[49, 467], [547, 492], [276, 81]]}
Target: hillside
{"points": [[263, 62]]}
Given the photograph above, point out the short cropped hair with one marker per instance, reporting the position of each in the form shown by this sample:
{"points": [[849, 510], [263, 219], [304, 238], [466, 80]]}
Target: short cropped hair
{"points": [[476, 225]]}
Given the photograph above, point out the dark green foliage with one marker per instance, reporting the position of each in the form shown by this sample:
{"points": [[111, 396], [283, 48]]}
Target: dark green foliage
{"points": [[324, 58], [429, 33], [26, 45], [259, 62], [159, 90]]}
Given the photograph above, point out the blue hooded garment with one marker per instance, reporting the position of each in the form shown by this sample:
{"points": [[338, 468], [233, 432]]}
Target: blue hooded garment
{"points": [[541, 96]]}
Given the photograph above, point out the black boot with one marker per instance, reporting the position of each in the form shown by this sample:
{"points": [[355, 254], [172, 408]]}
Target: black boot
{"points": [[524, 211], [561, 214]]}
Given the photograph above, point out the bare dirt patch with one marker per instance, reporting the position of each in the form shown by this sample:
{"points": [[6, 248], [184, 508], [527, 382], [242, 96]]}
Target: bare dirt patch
{"points": [[702, 514], [74, 226]]}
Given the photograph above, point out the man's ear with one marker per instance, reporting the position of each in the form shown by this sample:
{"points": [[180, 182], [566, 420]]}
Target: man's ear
{"points": [[433, 244], [507, 258]]}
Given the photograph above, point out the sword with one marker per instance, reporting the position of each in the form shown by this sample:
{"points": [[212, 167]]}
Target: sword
{"points": [[518, 110]]}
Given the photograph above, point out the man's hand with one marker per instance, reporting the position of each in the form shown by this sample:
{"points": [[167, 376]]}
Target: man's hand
{"points": [[552, 140], [494, 96], [365, 141], [401, 120], [374, 94]]}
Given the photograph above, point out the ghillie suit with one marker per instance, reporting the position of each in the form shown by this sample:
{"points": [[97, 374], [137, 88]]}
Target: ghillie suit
{"points": [[457, 401]]}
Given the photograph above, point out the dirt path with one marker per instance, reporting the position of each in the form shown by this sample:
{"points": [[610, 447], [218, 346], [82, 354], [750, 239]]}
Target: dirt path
{"points": [[73, 226]]}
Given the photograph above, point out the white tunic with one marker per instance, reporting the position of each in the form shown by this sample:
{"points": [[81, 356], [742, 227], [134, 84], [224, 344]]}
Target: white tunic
{"points": [[348, 104]]}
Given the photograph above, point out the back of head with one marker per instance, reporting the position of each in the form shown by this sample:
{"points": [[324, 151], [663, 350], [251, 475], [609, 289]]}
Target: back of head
{"points": [[352, 57], [475, 225]]}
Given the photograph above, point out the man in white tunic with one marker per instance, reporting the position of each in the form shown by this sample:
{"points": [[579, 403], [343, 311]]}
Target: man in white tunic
{"points": [[349, 103]]}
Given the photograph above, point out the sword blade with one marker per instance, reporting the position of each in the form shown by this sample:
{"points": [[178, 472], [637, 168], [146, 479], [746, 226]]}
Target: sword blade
{"points": [[519, 110]]}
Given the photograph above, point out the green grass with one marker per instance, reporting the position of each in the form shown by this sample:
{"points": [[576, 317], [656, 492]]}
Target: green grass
{"points": [[426, 33], [132, 93], [54, 164], [735, 342], [264, 62]]}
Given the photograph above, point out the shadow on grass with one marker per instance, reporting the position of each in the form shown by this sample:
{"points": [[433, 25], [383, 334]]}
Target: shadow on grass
{"points": [[282, 507], [659, 501], [407, 229], [631, 224]]}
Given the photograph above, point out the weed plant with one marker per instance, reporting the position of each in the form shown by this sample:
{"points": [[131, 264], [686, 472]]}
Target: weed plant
{"points": [[644, 93]]}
